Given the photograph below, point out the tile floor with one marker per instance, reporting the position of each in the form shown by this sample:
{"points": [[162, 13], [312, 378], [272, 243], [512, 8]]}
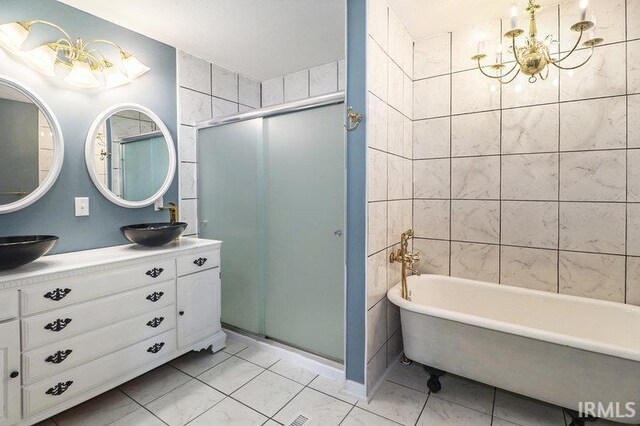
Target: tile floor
{"points": [[246, 386]]}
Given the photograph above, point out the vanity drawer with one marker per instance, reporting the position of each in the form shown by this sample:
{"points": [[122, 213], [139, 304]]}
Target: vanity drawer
{"points": [[62, 387], [206, 259], [8, 304], [63, 292], [61, 356], [67, 322]]}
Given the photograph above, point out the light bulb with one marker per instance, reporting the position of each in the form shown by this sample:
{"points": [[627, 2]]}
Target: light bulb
{"points": [[12, 36], [133, 67], [82, 76], [583, 5], [113, 77], [514, 17], [43, 59]]}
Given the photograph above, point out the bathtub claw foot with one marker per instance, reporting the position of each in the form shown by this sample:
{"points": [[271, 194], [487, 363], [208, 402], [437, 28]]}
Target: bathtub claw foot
{"points": [[433, 383], [577, 419]]}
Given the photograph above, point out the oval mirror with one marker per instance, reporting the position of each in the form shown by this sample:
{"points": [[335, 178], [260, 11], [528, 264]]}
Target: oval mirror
{"points": [[130, 155], [32, 147]]}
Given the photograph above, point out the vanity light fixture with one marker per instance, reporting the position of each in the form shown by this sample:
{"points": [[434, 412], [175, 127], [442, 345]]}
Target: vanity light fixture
{"points": [[534, 58], [88, 67]]}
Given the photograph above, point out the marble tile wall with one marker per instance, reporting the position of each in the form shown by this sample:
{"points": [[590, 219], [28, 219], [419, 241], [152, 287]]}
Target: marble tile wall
{"points": [[390, 176], [205, 91], [531, 185], [316, 81]]}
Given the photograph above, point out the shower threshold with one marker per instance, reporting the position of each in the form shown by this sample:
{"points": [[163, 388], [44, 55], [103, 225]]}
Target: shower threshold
{"points": [[315, 362]]}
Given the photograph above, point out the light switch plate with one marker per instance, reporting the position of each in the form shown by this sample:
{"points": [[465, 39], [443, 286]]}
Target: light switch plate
{"points": [[82, 206]]}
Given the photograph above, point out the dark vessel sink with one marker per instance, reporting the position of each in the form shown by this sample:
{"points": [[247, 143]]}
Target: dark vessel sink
{"points": [[153, 234], [18, 251]]}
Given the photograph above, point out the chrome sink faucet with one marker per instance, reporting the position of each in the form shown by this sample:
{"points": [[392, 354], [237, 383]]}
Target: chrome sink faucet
{"points": [[408, 260]]}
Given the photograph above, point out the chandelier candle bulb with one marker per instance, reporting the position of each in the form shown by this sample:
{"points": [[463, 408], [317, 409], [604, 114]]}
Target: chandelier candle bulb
{"points": [[583, 5], [514, 17], [480, 47]]}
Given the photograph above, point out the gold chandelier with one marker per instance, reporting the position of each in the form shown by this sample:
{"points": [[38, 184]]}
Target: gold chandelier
{"points": [[534, 58], [85, 62]]}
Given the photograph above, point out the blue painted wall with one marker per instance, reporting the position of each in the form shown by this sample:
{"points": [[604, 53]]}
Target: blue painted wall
{"points": [[356, 193], [76, 110]]}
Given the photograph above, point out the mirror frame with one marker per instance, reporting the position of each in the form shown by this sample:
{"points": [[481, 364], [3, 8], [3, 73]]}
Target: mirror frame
{"points": [[58, 148], [90, 161]]}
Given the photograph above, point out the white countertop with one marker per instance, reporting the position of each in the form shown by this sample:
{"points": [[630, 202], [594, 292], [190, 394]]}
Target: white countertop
{"points": [[60, 263]]}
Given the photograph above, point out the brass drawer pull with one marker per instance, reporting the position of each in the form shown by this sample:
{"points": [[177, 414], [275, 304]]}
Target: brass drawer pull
{"points": [[156, 348], [155, 272], [57, 294], [58, 357], [155, 322], [200, 261], [155, 296], [58, 324], [60, 388]]}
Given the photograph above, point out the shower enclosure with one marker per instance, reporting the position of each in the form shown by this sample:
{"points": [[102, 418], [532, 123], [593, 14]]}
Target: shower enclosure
{"points": [[272, 188]]}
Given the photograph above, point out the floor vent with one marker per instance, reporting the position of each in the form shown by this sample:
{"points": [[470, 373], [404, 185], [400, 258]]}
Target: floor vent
{"points": [[300, 420]]}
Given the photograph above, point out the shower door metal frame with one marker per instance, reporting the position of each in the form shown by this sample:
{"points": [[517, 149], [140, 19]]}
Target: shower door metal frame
{"points": [[334, 98], [301, 105]]}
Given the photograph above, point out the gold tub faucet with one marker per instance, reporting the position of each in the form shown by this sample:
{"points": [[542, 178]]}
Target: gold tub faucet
{"points": [[408, 260]]}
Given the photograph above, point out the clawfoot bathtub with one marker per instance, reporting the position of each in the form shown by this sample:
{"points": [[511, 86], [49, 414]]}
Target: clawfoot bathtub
{"points": [[561, 349]]}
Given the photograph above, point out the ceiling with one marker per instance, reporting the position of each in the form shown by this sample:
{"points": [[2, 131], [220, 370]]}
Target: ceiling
{"points": [[428, 17], [261, 39]]}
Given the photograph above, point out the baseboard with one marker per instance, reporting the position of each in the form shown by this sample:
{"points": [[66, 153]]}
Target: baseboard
{"points": [[318, 365]]}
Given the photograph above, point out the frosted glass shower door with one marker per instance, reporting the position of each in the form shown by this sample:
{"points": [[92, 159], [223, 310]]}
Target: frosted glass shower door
{"points": [[230, 175], [305, 216], [273, 190]]}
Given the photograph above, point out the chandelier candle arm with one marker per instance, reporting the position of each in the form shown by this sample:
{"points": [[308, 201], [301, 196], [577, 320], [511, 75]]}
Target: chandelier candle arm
{"points": [[496, 66], [571, 51], [577, 66]]}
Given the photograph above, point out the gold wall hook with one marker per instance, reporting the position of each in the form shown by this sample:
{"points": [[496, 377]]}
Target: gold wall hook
{"points": [[355, 118]]}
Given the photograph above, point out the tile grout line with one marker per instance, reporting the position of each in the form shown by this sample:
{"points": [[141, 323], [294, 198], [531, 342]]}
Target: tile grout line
{"points": [[528, 247], [526, 106], [493, 404], [500, 179], [559, 145], [626, 171], [450, 272], [345, 417]]}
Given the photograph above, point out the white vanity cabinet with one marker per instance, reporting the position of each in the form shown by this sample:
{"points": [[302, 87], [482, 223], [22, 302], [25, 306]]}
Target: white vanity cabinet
{"points": [[9, 372], [195, 320], [90, 321]]}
